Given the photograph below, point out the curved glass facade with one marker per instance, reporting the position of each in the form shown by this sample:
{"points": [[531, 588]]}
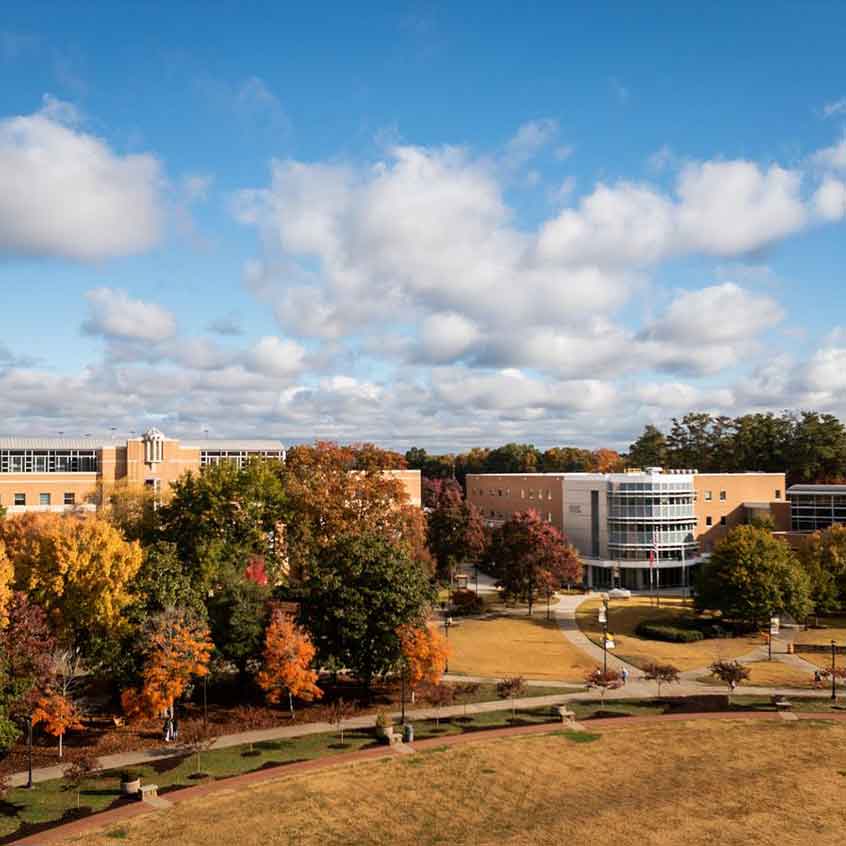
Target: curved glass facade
{"points": [[647, 514]]}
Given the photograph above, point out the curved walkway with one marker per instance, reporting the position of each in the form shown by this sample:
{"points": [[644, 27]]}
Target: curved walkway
{"points": [[105, 819]]}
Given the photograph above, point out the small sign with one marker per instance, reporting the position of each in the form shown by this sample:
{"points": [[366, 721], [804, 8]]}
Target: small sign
{"points": [[775, 623], [609, 644], [603, 617]]}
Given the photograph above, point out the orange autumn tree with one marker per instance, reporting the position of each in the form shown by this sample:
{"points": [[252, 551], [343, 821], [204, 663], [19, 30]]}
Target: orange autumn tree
{"points": [[178, 647], [425, 653], [6, 576], [288, 654], [58, 714]]}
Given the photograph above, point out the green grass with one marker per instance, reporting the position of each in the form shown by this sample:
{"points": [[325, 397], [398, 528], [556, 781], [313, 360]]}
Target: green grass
{"points": [[577, 736]]}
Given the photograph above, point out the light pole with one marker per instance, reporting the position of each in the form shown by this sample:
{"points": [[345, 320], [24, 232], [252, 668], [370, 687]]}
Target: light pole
{"points": [[603, 618], [447, 624], [402, 699], [205, 702], [29, 751], [833, 677]]}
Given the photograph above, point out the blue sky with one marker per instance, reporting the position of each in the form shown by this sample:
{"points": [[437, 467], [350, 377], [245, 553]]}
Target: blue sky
{"points": [[433, 224]]}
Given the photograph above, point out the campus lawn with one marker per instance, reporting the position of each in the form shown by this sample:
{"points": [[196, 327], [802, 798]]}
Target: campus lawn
{"points": [[772, 674], [698, 782], [623, 618], [49, 802], [533, 647], [831, 628]]}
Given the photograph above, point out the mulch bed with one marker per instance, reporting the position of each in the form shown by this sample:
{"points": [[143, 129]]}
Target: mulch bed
{"points": [[101, 737]]}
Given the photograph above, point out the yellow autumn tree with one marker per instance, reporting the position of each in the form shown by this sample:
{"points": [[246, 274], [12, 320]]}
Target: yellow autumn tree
{"points": [[425, 653], [288, 653], [58, 714], [178, 648], [6, 576], [77, 568]]}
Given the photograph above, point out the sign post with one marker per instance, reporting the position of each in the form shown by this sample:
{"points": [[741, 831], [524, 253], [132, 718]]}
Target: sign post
{"points": [[775, 624]]}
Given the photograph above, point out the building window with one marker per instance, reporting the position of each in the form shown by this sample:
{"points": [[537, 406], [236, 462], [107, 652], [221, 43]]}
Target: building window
{"points": [[707, 496], [722, 496], [777, 494], [44, 499], [508, 491], [499, 492], [70, 499], [709, 521], [522, 493], [20, 499], [723, 520], [531, 494], [549, 494], [548, 516]]}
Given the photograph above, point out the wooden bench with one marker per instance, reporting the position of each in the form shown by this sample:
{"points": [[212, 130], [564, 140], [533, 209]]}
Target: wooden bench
{"points": [[148, 791]]}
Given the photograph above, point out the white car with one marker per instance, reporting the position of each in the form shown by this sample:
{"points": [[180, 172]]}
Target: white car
{"points": [[619, 593]]}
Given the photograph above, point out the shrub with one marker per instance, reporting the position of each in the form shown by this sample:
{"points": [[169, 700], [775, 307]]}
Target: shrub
{"points": [[383, 721], [129, 775], [666, 632], [466, 602]]}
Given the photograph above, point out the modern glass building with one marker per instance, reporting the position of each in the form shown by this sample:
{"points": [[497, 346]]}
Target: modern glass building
{"points": [[814, 507]]}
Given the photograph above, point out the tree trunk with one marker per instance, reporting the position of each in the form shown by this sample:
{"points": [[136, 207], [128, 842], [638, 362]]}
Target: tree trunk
{"points": [[291, 704], [60, 745]]}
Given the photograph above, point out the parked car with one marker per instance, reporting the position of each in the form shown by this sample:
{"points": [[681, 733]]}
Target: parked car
{"points": [[619, 593]]}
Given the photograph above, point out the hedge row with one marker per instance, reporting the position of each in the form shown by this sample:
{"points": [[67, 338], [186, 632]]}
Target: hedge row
{"points": [[668, 633]]}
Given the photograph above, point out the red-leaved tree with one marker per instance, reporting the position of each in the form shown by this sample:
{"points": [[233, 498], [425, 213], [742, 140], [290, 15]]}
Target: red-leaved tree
{"points": [[528, 554]]}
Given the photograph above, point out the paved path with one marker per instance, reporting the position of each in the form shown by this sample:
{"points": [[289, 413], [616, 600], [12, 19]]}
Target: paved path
{"points": [[144, 756], [565, 614], [106, 819]]}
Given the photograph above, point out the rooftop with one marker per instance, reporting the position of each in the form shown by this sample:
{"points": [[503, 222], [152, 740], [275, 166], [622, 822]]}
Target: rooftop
{"points": [[230, 445], [817, 489]]}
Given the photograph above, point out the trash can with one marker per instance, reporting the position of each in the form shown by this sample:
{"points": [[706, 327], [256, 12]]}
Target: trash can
{"points": [[408, 733]]}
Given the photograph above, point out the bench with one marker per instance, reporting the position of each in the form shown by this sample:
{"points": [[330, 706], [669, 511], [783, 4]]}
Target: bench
{"points": [[782, 704], [148, 792]]}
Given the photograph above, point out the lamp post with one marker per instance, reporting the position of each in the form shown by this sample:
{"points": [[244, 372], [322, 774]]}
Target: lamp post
{"points": [[402, 698], [206, 702], [603, 618], [833, 677], [447, 624], [29, 751]]}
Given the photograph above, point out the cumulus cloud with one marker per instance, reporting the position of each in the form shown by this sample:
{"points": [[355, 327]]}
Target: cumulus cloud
{"points": [[830, 199], [835, 107], [833, 157], [275, 356], [66, 193], [116, 316]]}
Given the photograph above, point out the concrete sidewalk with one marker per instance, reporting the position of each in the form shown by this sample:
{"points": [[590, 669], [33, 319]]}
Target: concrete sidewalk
{"points": [[145, 756]]}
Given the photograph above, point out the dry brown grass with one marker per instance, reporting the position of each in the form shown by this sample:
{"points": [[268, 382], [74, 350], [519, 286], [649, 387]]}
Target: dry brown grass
{"points": [[507, 646], [623, 618], [773, 674], [696, 783]]}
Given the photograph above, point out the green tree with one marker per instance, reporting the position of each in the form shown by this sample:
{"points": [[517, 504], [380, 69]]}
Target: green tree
{"points": [[217, 515], [690, 442], [526, 554], [823, 555], [513, 458], [752, 576], [238, 614], [358, 594], [818, 450], [763, 442]]}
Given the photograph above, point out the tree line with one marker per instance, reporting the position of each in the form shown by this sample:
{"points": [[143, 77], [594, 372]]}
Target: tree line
{"points": [[808, 446]]}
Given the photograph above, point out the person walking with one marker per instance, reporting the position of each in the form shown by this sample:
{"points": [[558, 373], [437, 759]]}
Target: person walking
{"points": [[624, 674]]}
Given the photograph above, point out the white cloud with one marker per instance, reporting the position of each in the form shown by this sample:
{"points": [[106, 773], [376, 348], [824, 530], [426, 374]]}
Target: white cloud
{"points": [[446, 336], [116, 316], [833, 157], [66, 193], [830, 199], [274, 356], [836, 107], [529, 139]]}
